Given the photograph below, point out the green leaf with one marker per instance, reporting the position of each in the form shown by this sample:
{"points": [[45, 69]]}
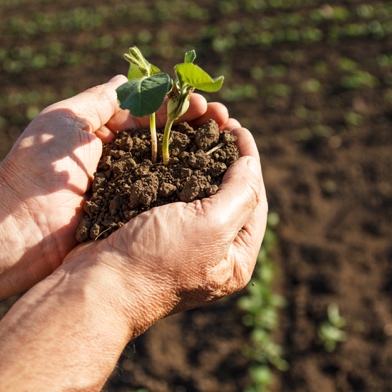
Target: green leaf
{"points": [[139, 66], [190, 56], [193, 75], [154, 70], [144, 96], [134, 72]]}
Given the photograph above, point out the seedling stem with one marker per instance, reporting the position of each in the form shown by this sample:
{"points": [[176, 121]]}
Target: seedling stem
{"points": [[139, 67]]}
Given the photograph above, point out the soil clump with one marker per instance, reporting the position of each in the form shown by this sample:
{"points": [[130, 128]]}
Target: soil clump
{"points": [[127, 183]]}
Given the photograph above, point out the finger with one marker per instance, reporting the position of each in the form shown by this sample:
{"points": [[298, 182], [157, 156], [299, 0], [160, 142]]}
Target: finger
{"points": [[123, 120], [231, 123], [242, 255], [235, 271], [105, 134], [248, 241], [216, 111], [197, 107], [240, 191], [247, 244], [245, 142], [95, 106], [237, 197]]}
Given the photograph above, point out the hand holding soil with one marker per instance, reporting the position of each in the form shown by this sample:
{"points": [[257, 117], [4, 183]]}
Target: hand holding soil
{"points": [[183, 255], [130, 177], [50, 168], [101, 294], [187, 254]]}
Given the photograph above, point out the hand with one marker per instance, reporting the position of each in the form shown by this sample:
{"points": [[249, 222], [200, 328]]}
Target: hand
{"points": [[183, 255], [45, 176], [107, 292]]}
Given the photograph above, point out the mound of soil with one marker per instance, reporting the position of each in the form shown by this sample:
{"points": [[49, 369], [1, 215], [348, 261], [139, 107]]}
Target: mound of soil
{"points": [[127, 183]]}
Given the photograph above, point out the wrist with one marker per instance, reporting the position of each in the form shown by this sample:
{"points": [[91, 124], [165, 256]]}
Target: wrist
{"points": [[138, 297], [71, 323]]}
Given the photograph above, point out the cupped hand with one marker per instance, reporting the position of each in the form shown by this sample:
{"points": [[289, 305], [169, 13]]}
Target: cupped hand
{"points": [[48, 171], [183, 255]]}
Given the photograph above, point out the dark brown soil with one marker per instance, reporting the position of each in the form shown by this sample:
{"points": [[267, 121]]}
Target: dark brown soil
{"points": [[127, 183], [326, 155]]}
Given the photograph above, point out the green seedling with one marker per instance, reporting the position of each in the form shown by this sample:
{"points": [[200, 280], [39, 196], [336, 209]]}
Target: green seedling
{"points": [[188, 78], [330, 332], [146, 88], [144, 78]]}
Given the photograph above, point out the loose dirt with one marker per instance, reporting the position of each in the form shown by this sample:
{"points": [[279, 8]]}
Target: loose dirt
{"points": [[127, 183]]}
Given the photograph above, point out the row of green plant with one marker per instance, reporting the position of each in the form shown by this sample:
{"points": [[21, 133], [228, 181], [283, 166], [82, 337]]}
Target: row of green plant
{"points": [[20, 3], [253, 34], [31, 57], [261, 307], [361, 20], [277, 30], [90, 18], [268, 82], [272, 79], [27, 58], [43, 23], [334, 11]]}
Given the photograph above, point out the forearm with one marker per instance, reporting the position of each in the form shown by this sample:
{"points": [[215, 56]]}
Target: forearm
{"points": [[67, 332]]}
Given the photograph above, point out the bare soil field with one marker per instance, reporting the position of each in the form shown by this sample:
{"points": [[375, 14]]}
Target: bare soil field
{"points": [[313, 82]]}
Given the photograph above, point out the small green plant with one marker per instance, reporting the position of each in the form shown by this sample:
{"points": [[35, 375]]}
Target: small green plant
{"points": [[330, 332], [140, 75], [146, 88]]}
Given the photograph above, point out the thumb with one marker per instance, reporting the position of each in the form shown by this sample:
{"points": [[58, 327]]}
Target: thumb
{"points": [[241, 191]]}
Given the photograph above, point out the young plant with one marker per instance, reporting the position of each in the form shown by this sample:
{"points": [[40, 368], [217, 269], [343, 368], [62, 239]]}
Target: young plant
{"points": [[142, 77], [147, 87], [330, 332], [188, 78]]}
